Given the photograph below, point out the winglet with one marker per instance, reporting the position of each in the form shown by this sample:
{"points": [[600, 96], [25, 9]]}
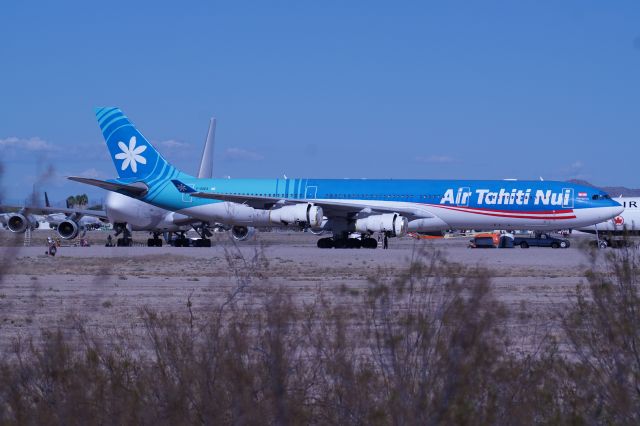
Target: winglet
{"points": [[183, 187]]}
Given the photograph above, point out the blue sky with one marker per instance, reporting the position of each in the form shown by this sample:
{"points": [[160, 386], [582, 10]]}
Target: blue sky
{"points": [[490, 89]]}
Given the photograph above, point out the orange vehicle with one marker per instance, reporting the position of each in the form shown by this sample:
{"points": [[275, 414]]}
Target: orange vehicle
{"points": [[492, 240]]}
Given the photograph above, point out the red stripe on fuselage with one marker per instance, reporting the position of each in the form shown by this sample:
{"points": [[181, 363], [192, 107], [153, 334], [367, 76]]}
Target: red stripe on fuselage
{"points": [[565, 214], [505, 211]]}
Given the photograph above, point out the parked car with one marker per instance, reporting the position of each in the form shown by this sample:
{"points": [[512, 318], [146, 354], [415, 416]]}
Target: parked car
{"points": [[541, 240]]}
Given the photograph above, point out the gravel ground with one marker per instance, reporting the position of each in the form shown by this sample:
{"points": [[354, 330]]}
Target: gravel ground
{"points": [[106, 287]]}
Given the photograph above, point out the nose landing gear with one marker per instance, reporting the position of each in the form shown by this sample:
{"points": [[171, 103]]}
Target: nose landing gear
{"points": [[156, 241]]}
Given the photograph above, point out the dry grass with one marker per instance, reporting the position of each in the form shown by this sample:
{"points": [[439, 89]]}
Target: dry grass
{"points": [[428, 346]]}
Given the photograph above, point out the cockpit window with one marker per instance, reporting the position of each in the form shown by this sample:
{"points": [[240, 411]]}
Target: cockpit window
{"points": [[600, 197]]}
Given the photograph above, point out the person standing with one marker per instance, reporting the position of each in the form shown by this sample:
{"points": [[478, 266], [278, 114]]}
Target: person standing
{"points": [[385, 244]]}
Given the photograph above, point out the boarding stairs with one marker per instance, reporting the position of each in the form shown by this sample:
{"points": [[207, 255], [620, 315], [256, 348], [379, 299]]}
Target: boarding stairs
{"points": [[27, 237]]}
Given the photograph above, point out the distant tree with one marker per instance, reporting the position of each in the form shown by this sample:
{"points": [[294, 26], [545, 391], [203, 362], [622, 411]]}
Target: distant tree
{"points": [[78, 200], [82, 199], [71, 201]]}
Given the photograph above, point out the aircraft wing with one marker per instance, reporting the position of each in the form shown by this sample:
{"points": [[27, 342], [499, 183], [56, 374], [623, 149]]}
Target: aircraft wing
{"points": [[329, 207], [48, 210]]}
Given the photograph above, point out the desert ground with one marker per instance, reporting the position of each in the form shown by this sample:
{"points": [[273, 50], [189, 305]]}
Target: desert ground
{"points": [[106, 287]]}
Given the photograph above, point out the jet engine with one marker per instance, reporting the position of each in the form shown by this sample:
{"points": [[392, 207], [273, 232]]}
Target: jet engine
{"points": [[68, 229], [242, 233], [307, 213], [388, 222], [19, 223]]}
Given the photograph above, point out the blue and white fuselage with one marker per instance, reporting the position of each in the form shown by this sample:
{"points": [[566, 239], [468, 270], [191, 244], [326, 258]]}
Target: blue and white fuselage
{"points": [[345, 205], [436, 204]]}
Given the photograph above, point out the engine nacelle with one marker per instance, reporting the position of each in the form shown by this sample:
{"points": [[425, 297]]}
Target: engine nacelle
{"points": [[242, 233], [68, 229], [388, 222], [308, 213], [19, 223]]}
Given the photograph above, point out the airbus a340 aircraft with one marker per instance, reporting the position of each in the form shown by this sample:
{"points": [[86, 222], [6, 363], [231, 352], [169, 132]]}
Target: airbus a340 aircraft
{"points": [[344, 206]]}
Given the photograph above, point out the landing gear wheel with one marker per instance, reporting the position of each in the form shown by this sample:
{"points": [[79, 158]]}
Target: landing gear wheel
{"points": [[369, 243], [353, 243], [340, 244], [325, 243], [203, 242], [182, 242]]}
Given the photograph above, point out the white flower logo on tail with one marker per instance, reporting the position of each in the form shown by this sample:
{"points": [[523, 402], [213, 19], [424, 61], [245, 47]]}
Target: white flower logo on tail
{"points": [[131, 155]]}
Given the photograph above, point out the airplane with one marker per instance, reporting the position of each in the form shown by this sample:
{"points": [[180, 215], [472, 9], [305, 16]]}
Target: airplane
{"points": [[343, 206], [84, 223], [127, 214], [626, 223], [68, 222]]}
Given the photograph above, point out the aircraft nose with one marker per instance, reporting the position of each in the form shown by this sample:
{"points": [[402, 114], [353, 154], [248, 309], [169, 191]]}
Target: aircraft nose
{"points": [[612, 211], [618, 209]]}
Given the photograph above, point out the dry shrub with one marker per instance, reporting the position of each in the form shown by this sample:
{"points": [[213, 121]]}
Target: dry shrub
{"points": [[429, 346], [603, 330]]}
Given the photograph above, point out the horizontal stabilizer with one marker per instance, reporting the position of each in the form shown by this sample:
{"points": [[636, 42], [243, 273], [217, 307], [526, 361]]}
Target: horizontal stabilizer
{"points": [[183, 188], [135, 189]]}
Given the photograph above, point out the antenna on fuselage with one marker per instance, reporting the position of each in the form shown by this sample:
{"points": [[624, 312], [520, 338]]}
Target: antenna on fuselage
{"points": [[206, 163]]}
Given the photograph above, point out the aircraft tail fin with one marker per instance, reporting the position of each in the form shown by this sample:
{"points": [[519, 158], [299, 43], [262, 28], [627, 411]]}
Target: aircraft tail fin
{"points": [[133, 155], [46, 200], [206, 163]]}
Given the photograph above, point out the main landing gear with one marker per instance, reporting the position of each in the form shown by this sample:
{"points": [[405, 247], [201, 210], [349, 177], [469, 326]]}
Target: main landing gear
{"points": [[125, 240], [340, 243], [204, 233], [181, 240], [204, 241], [156, 241]]}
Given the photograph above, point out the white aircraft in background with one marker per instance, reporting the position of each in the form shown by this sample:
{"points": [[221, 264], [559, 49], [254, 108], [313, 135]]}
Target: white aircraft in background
{"points": [[125, 213], [85, 223], [627, 222], [67, 221]]}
